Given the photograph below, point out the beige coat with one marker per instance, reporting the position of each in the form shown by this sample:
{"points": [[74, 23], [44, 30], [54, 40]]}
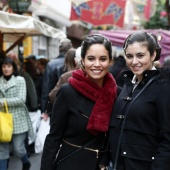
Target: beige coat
{"points": [[63, 79]]}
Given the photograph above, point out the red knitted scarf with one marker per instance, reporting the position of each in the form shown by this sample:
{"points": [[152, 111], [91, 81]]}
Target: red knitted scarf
{"points": [[103, 97]]}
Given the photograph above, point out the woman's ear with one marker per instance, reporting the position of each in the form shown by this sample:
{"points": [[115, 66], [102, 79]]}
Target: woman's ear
{"points": [[111, 62], [153, 56], [82, 64]]}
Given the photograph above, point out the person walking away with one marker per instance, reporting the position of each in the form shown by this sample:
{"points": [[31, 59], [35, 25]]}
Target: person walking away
{"points": [[81, 112], [32, 58], [51, 75], [139, 128], [41, 65], [65, 76], [69, 64], [31, 69], [13, 89]]}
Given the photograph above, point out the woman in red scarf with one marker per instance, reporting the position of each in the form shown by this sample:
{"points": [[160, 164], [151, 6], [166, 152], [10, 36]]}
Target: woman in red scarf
{"points": [[81, 112]]}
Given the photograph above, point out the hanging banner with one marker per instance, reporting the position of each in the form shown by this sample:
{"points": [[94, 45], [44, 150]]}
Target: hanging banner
{"points": [[145, 11], [142, 2], [100, 12]]}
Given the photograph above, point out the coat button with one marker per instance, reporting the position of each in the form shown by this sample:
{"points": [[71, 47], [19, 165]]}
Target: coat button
{"points": [[153, 158], [127, 98], [124, 153], [142, 83], [125, 75], [146, 75]]}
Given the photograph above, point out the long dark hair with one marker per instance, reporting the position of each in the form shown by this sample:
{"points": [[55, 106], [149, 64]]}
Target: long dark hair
{"points": [[30, 68], [69, 62]]}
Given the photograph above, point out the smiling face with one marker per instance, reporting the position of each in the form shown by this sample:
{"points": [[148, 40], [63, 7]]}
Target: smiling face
{"points": [[96, 63], [138, 59], [7, 69]]}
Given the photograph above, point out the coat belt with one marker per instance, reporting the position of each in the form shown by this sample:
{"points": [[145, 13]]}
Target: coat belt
{"points": [[78, 146]]}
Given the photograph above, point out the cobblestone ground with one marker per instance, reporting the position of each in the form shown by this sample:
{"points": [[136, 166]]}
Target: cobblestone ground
{"points": [[15, 163]]}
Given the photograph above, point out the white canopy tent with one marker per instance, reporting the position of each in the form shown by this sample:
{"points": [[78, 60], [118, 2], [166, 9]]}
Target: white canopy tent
{"points": [[14, 28]]}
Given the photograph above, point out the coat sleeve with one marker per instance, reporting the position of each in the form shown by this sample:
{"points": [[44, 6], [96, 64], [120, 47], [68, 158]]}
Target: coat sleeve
{"points": [[45, 88], [54, 91], [162, 158], [20, 97], [31, 93], [58, 124], [62, 80]]}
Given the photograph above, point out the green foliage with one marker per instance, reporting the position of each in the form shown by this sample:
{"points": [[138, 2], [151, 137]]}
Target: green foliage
{"points": [[156, 21]]}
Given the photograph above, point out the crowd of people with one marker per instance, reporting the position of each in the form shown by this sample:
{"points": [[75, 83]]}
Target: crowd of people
{"points": [[106, 112]]}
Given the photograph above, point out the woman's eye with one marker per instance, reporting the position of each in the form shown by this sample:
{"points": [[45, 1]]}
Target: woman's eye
{"points": [[103, 59], [129, 56], [90, 58], [140, 56]]}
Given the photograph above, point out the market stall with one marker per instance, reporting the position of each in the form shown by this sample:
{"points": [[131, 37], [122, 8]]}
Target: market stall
{"points": [[14, 28]]}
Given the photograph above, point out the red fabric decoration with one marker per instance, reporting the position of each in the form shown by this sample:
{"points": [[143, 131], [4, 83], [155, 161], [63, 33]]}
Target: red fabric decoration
{"points": [[103, 97]]}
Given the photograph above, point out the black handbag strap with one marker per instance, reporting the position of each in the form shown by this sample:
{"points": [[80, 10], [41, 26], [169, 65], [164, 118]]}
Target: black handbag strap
{"points": [[123, 125], [76, 151]]}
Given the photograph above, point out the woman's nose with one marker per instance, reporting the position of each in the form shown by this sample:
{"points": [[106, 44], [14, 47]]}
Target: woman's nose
{"points": [[97, 63], [135, 60]]}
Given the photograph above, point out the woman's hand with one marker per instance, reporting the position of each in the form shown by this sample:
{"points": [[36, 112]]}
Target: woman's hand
{"points": [[102, 167], [45, 116]]}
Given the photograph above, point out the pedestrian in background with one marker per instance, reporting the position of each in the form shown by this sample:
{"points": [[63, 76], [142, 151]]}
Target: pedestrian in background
{"points": [[31, 101], [30, 68], [69, 65], [51, 74], [81, 112], [166, 63], [65, 76], [139, 126], [119, 65], [32, 58], [69, 61], [13, 89], [41, 65]]}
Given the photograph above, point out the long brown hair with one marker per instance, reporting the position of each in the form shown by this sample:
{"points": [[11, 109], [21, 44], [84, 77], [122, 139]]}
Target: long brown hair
{"points": [[69, 63]]}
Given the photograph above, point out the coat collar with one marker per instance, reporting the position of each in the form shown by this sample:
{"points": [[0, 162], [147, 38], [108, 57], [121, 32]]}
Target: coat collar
{"points": [[7, 84], [128, 75]]}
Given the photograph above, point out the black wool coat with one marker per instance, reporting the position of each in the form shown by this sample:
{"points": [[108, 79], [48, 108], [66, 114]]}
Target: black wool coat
{"points": [[145, 142], [71, 112]]}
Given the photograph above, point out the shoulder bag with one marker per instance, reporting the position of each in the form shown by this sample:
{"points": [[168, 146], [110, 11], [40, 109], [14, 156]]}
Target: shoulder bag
{"points": [[6, 124]]}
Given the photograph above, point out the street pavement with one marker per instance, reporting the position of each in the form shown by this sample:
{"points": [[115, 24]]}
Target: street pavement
{"points": [[16, 164], [35, 159]]}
